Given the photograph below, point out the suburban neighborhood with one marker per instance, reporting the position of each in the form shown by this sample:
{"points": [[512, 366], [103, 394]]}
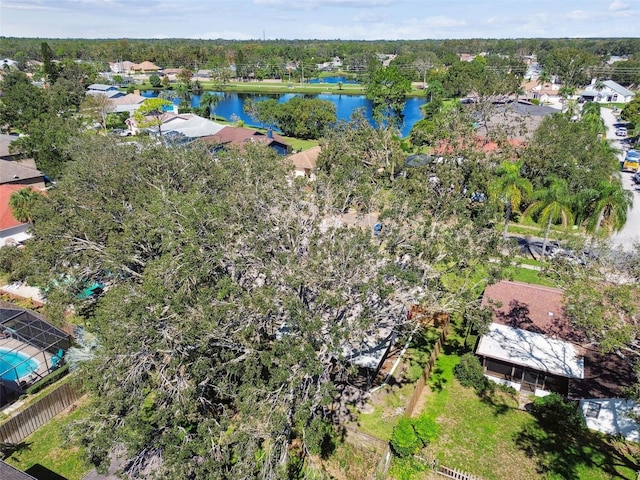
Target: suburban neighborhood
{"points": [[206, 272]]}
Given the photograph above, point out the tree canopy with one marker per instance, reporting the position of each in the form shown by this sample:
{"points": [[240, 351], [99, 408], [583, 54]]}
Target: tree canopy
{"points": [[229, 305]]}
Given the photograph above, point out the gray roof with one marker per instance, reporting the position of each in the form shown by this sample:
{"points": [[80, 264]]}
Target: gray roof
{"points": [[12, 171], [107, 93], [195, 127], [592, 91], [616, 87], [101, 87], [7, 472]]}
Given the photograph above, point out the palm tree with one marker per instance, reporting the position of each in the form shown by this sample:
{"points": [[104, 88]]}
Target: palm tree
{"points": [[611, 204], [552, 204], [543, 78], [22, 203], [209, 101], [509, 188]]}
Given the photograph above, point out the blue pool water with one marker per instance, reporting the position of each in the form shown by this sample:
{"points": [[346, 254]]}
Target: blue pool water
{"points": [[15, 365]]}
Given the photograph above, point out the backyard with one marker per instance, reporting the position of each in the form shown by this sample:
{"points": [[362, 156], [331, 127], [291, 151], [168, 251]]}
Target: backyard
{"points": [[487, 435]]}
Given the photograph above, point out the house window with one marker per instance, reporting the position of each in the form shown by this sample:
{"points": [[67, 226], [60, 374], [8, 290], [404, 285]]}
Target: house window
{"points": [[592, 409]]}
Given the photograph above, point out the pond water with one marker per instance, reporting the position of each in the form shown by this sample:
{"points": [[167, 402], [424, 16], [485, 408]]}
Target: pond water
{"points": [[232, 105], [334, 80]]}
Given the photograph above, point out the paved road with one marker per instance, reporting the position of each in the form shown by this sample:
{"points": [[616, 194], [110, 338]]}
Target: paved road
{"points": [[625, 238]]}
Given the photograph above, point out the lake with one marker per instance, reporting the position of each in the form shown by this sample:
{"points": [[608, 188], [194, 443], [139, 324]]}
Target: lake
{"points": [[232, 105]]}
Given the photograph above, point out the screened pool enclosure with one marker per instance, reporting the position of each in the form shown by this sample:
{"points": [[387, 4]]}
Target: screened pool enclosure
{"points": [[30, 349]]}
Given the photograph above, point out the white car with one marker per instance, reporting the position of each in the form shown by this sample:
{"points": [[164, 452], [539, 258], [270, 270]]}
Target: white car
{"points": [[621, 132]]}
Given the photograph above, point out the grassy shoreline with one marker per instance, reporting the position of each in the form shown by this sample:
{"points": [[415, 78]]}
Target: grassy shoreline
{"points": [[282, 87]]}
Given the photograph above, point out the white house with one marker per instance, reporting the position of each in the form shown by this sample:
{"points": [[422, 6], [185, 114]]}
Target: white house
{"points": [[607, 91], [532, 347]]}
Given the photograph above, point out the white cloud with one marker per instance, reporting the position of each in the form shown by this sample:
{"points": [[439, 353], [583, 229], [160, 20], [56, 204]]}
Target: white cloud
{"points": [[617, 6], [582, 15]]}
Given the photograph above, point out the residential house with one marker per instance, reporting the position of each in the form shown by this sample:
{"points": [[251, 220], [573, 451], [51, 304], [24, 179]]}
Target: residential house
{"points": [[16, 170], [145, 67], [171, 73], [121, 67], [102, 88], [304, 163], [239, 136], [334, 63], [110, 91], [127, 103], [532, 347], [607, 91], [617, 58], [545, 93], [12, 231]]}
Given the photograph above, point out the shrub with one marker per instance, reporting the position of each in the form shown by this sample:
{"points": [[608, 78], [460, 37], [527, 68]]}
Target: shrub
{"points": [[48, 380], [426, 428], [469, 372], [555, 413], [411, 434], [404, 439]]}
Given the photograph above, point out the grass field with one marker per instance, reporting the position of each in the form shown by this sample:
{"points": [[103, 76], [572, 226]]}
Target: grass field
{"points": [[48, 449], [489, 437]]}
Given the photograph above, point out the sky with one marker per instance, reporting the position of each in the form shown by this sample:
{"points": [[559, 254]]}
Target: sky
{"points": [[319, 19]]}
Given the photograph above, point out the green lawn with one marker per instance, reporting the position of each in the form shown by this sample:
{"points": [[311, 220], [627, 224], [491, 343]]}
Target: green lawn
{"points": [[491, 438], [47, 447], [527, 275]]}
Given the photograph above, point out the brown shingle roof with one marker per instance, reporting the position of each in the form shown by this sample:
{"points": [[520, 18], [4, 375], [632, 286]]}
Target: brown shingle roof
{"points": [[525, 306], [306, 159], [530, 307], [239, 136], [146, 66], [606, 375]]}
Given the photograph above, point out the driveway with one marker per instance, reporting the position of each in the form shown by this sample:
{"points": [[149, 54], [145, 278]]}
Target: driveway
{"points": [[630, 233]]}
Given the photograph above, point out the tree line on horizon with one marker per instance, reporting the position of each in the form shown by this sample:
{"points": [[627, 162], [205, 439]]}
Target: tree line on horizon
{"points": [[269, 57]]}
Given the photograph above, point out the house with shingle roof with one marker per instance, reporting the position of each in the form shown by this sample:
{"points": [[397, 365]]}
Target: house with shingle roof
{"points": [[121, 67], [17, 170], [145, 67], [607, 91], [532, 347], [128, 102], [304, 163], [239, 137]]}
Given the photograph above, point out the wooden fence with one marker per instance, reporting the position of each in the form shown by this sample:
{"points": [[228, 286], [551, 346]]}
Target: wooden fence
{"points": [[454, 473], [27, 421], [426, 372], [363, 440]]}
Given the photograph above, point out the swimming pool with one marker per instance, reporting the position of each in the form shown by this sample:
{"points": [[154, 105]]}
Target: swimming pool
{"points": [[15, 365]]}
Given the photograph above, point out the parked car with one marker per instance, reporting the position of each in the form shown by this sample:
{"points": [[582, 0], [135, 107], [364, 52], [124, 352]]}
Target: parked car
{"points": [[621, 132], [636, 177]]}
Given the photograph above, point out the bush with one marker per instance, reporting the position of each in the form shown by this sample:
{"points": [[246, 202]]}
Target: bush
{"points": [[469, 372], [404, 439], [48, 380], [426, 428], [411, 434], [555, 413]]}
